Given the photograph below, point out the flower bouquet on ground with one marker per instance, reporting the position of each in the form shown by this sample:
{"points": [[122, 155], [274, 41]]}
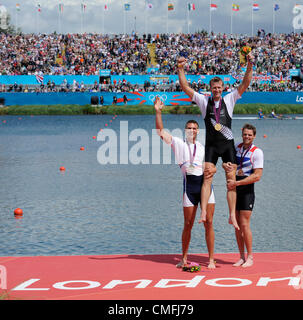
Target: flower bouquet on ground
{"points": [[192, 267]]}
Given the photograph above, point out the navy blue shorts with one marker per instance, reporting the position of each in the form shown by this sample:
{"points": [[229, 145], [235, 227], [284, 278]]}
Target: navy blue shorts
{"points": [[245, 196]]}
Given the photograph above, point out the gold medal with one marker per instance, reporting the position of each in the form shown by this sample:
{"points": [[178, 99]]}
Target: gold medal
{"points": [[240, 172], [218, 126]]}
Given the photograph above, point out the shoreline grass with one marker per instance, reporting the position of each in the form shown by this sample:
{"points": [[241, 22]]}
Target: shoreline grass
{"points": [[248, 109]]}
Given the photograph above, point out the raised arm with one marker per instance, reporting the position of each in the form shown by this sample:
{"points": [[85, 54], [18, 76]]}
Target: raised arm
{"points": [[158, 104], [248, 75], [182, 79]]}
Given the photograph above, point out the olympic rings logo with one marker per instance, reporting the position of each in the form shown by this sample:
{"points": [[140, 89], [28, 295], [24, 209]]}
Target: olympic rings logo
{"points": [[152, 97]]}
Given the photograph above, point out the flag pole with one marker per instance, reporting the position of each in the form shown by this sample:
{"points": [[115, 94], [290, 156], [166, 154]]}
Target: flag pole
{"points": [[59, 9], [252, 21], [16, 20], [81, 18], [231, 21], [145, 11], [188, 18], [209, 17], [167, 17], [103, 19], [273, 18], [37, 17], [124, 19]]}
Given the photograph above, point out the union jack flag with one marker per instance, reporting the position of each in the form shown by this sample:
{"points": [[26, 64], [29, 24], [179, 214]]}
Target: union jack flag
{"points": [[39, 78]]}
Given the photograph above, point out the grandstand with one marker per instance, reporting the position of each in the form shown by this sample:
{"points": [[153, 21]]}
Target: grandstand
{"points": [[130, 63]]}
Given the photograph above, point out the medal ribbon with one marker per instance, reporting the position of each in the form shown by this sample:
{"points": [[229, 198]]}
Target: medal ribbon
{"points": [[243, 154], [192, 156], [217, 114]]}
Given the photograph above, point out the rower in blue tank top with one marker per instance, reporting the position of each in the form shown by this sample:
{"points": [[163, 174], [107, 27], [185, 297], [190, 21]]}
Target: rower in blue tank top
{"points": [[249, 170]]}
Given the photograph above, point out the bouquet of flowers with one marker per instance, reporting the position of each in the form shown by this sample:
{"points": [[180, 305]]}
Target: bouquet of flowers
{"points": [[192, 267], [244, 51]]}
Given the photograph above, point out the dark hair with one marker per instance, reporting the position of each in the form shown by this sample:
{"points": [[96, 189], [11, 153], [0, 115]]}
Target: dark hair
{"points": [[250, 127], [192, 121], [216, 79]]}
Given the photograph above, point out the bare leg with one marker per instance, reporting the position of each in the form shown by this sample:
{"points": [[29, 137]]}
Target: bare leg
{"points": [[210, 234], [189, 218], [240, 242], [247, 236], [232, 198], [205, 194]]}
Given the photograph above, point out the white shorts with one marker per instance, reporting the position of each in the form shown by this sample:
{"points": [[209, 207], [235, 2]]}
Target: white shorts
{"points": [[188, 203]]}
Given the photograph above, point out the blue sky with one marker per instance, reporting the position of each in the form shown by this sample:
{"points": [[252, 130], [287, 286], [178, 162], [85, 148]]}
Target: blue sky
{"points": [[155, 20]]}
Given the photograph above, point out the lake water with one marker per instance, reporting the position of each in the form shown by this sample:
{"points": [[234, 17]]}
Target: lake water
{"points": [[126, 208]]}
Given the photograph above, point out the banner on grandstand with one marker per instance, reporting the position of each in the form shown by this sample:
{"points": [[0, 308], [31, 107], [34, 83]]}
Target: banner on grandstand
{"points": [[105, 72], [134, 98]]}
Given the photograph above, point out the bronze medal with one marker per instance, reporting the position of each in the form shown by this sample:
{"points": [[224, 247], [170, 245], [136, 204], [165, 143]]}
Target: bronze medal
{"points": [[240, 172], [218, 126]]}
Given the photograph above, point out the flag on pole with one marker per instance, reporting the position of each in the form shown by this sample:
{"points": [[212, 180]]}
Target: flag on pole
{"points": [[213, 7], [105, 7], [170, 7], [276, 7], [39, 7], [149, 6], [60, 7], [83, 7], [127, 7], [17, 6], [235, 7], [255, 7], [191, 6]]}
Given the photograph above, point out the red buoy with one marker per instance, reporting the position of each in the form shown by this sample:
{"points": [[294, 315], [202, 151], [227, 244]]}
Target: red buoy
{"points": [[298, 147], [18, 212], [62, 169], [94, 137], [265, 136], [81, 148]]}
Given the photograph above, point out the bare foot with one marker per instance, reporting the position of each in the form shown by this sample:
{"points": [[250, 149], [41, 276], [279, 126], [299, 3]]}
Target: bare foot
{"points": [[202, 217], [181, 264], [232, 220], [249, 262], [212, 264], [239, 263]]}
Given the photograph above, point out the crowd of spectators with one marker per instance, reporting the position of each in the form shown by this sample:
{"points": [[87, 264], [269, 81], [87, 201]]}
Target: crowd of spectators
{"points": [[75, 54]]}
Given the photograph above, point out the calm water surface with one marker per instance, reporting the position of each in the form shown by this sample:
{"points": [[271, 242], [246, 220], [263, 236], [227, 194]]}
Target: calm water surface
{"points": [[126, 208]]}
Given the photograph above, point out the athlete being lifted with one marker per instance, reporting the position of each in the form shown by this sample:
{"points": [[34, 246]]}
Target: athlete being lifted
{"points": [[217, 113]]}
